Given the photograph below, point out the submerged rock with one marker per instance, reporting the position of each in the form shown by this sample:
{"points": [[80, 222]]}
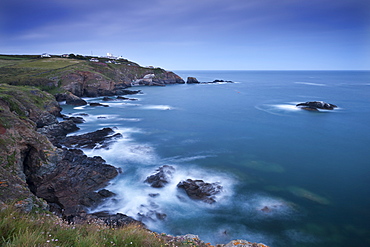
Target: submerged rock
{"points": [[200, 190], [162, 177], [314, 105]]}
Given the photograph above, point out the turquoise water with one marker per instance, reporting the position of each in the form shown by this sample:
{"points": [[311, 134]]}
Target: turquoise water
{"points": [[310, 169]]}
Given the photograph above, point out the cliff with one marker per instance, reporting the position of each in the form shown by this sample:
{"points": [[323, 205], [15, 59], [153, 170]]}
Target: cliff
{"points": [[32, 168], [82, 77]]}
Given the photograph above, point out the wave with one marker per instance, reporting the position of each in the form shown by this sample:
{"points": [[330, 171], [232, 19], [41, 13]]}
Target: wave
{"points": [[311, 83], [157, 107], [279, 109]]}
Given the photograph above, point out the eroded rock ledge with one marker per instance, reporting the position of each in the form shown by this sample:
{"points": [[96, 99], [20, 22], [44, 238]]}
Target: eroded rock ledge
{"points": [[31, 167]]}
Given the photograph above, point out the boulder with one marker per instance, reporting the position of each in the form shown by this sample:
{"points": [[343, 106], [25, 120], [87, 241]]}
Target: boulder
{"points": [[72, 99], [200, 190], [314, 105], [192, 80], [162, 177]]}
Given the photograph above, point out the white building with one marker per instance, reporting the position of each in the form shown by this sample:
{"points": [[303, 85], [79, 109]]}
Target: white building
{"points": [[45, 55]]}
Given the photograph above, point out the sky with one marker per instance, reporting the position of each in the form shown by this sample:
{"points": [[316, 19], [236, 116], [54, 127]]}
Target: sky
{"points": [[195, 34]]}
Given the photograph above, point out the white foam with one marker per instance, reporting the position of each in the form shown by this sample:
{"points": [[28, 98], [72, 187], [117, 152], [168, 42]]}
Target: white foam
{"points": [[157, 107], [262, 207], [311, 83], [278, 109]]}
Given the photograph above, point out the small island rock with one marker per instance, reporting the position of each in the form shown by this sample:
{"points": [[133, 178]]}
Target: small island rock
{"points": [[192, 80], [314, 105], [200, 190]]}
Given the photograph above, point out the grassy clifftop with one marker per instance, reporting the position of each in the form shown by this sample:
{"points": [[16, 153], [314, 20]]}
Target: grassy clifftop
{"points": [[56, 74]]}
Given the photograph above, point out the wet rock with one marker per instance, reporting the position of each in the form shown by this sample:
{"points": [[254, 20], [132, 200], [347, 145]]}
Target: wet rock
{"points": [[69, 180], [57, 132], [97, 139], [124, 98], [192, 80], [314, 105], [76, 120], [98, 104], [200, 190], [216, 81], [162, 177], [72, 99], [107, 98]]}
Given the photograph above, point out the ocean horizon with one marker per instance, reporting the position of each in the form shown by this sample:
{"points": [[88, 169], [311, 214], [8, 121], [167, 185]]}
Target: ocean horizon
{"points": [[289, 177]]}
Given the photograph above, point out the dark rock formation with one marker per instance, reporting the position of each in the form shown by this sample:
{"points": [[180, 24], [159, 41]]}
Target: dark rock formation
{"points": [[97, 139], [162, 177], [69, 180], [33, 169], [124, 98], [191, 80], [98, 104], [76, 120], [314, 105], [57, 132], [200, 190], [216, 81], [72, 99]]}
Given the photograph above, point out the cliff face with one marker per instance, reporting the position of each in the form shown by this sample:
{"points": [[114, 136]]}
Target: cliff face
{"points": [[83, 78], [32, 168]]}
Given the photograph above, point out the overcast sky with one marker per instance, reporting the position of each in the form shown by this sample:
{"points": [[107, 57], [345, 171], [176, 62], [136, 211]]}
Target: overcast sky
{"points": [[195, 34]]}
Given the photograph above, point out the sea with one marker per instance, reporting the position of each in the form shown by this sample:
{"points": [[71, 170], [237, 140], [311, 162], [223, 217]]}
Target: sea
{"points": [[289, 177]]}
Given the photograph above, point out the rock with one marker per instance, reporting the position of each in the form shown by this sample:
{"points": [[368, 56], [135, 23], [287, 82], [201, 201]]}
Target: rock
{"points": [[96, 139], [76, 120], [107, 98], [124, 98], [200, 190], [72, 99], [69, 179], [162, 177], [98, 104], [314, 105], [192, 80], [112, 220], [57, 132], [216, 81]]}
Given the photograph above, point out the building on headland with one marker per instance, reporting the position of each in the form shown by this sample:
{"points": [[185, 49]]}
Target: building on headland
{"points": [[45, 55], [94, 60], [110, 56], [65, 55]]}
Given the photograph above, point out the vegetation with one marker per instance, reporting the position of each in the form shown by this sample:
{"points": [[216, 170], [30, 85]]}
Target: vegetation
{"points": [[46, 229], [49, 74]]}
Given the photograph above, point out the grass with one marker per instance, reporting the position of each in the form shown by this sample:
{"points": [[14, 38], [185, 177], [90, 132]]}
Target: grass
{"points": [[45, 229]]}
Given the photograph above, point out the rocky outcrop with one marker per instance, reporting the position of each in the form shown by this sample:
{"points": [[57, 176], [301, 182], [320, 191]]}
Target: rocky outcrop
{"points": [[97, 139], [159, 79], [314, 105], [69, 180], [32, 168], [200, 190], [162, 177], [192, 80]]}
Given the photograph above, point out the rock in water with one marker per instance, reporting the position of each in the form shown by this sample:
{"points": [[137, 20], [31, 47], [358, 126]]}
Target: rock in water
{"points": [[314, 105], [200, 190], [162, 177], [192, 80]]}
